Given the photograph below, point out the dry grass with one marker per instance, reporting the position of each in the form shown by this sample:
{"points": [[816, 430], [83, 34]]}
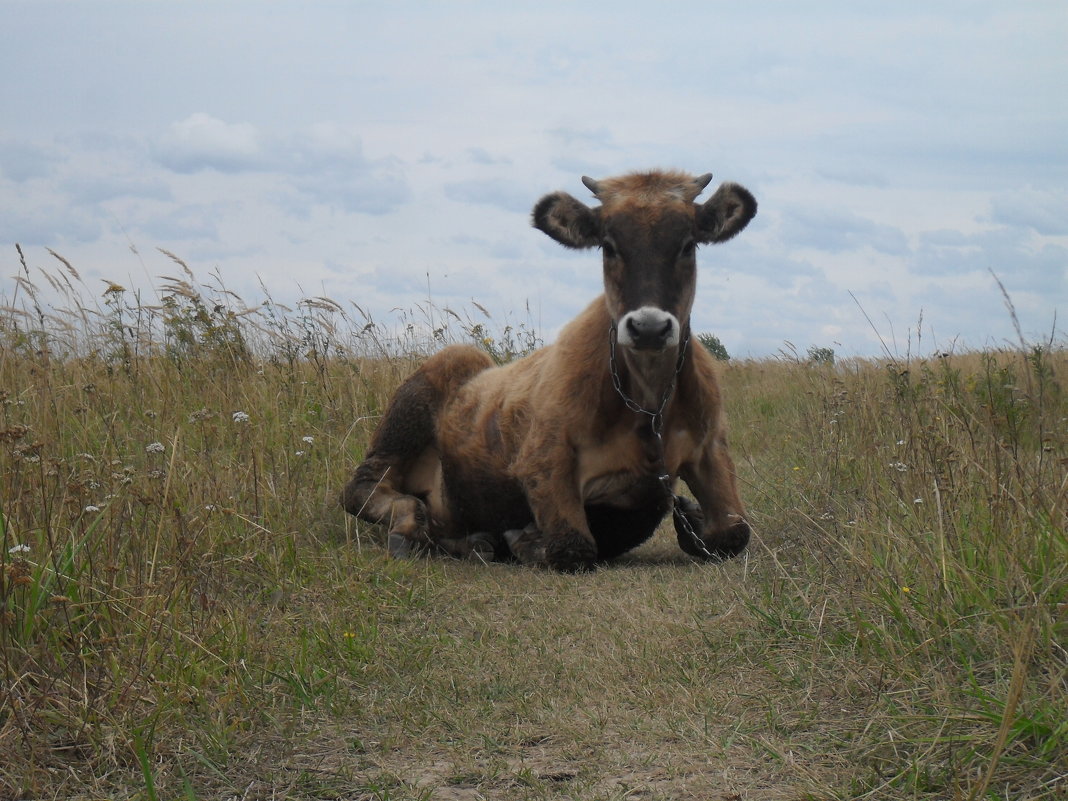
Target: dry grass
{"points": [[195, 618]]}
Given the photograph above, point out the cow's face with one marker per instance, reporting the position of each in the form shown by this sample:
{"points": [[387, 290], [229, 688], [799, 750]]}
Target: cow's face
{"points": [[648, 228]]}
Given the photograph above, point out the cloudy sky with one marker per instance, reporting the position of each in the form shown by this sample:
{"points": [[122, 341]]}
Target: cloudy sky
{"points": [[380, 153]]}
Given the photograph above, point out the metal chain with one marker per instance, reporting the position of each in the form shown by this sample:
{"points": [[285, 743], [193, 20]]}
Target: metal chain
{"points": [[656, 425]]}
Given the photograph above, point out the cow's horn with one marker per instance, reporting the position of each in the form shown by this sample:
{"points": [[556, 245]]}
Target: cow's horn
{"points": [[595, 186], [701, 181]]}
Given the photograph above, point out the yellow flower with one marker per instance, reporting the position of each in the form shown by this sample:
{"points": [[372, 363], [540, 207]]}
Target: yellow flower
{"points": [[906, 589]]}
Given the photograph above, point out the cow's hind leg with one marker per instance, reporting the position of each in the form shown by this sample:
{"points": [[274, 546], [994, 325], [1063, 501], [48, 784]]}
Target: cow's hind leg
{"points": [[375, 492], [483, 546], [383, 489], [527, 545]]}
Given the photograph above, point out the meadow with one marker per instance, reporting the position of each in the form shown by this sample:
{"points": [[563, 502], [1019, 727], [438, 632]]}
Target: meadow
{"points": [[186, 613]]}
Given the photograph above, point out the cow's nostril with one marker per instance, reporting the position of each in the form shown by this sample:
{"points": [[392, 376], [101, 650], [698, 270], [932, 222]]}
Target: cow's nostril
{"points": [[648, 329]]}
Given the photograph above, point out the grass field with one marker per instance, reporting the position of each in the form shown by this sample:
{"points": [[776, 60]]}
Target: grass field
{"points": [[185, 613]]}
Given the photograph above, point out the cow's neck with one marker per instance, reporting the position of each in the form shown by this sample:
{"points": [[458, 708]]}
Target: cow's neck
{"points": [[647, 377]]}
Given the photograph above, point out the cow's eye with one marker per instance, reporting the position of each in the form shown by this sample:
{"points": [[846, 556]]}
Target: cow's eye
{"points": [[608, 249], [687, 249]]}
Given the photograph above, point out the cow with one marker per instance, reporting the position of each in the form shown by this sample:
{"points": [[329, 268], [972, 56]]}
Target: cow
{"points": [[569, 456]]}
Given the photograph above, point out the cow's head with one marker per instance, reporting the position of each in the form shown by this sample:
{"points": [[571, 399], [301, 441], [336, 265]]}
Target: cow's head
{"points": [[648, 227]]}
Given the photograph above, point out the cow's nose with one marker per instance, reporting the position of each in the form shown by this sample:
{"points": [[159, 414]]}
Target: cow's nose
{"points": [[648, 332]]}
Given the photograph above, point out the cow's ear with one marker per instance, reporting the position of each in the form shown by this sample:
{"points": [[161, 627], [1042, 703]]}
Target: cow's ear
{"points": [[724, 214], [568, 221]]}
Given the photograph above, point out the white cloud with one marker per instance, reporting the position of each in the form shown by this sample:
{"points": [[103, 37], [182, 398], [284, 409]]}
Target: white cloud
{"points": [[1044, 211], [324, 163], [493, 192], [48, 225], [480, 155], [93, 190], [21, 161], [188, 223], [1022, 265], [202, 142], [837, 231]]}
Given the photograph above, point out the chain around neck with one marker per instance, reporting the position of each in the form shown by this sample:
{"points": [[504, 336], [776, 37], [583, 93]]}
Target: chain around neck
{"points": [[656, 423], [657, 416]]}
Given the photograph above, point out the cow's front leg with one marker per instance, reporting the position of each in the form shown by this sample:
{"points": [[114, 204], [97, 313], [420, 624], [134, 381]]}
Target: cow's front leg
{"points": [[719, 517], [570, 549], [560, 536], [567, 551]]}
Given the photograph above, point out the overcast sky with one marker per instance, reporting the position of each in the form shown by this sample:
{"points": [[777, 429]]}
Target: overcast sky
{"points": [[367, 151]]}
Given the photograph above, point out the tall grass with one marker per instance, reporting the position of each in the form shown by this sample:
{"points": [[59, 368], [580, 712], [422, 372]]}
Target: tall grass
{"points": [[935, 492], [182, 604]]}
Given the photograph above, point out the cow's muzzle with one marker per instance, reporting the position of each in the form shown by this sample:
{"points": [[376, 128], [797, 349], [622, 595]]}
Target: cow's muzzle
{"points": [[649, 328]]}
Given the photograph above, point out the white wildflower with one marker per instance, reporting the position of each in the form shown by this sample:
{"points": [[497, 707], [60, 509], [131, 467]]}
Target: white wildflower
{"points": [[917, 500], [309, 440], [17, 549], [240, 417], [900, 467], [300, 453], [901, 442], [154, 447], [90, 508]]}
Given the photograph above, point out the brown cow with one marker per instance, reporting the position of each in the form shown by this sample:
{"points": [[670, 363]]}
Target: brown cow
{"points": [[570, 455]]}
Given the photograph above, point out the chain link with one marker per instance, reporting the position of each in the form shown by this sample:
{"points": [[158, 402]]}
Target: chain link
{"points": [[656, 424]]}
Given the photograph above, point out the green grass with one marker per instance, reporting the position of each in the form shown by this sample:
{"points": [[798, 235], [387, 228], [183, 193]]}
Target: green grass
{"points": [[198, 619]]}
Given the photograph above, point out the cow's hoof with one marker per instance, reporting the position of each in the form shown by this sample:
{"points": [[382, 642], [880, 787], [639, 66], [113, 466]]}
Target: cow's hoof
{"points": [[571, 554], [513, 537], [482, 546], [732, 541], [717, 545], [400, 547], [526, 544]]}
